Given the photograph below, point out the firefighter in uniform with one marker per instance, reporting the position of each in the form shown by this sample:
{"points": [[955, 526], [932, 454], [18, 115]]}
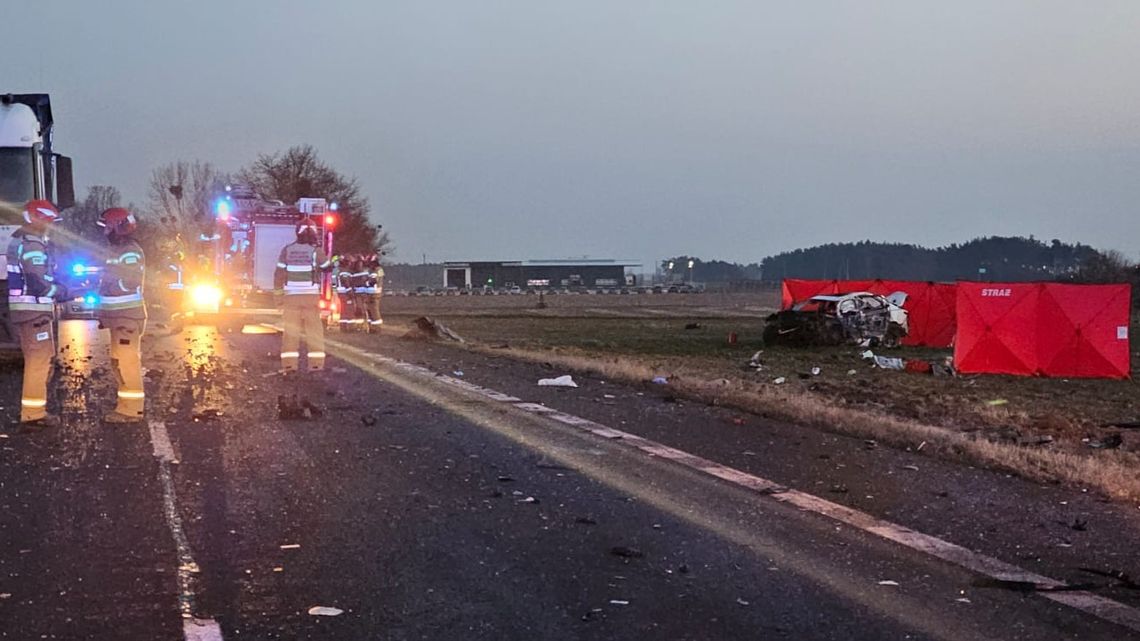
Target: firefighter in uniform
{"points": [[359, 281], [32, 292], [122, 310], [373, 289], [345, 292], [298, 276]]}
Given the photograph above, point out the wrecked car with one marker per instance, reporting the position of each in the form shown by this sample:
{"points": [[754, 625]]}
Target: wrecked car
{"points": [[856, 318]]}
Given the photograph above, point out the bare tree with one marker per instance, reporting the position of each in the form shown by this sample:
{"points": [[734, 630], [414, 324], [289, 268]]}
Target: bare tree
{"points": [[179, 207], [299, 173], [78, 232]]}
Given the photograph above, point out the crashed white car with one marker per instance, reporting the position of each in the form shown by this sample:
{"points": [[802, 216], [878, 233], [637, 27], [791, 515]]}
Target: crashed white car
{"points": [[858, 317]]}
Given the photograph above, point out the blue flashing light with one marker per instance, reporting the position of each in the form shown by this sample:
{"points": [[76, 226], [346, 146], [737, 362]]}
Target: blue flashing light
{"points": [[79, 269], [91, 299], [223, 209]]}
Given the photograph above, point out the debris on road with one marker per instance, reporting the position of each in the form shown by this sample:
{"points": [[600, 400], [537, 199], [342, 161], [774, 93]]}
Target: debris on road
{"points": [[889, 362], [815, 371], [207, 415], [529, 499], [618, 602], [425, 328], [660, 380], [457, 373], [291, 546], [626, 552], [325, 611], [740, 601], [996, 402], [912, 468], [562, 381], [889, 582], [1110, 442], [754, 362], [780, 380]]}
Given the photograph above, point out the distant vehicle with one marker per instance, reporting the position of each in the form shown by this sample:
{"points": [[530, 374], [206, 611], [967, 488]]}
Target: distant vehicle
{"points": [[858, 317], [515, 290]]}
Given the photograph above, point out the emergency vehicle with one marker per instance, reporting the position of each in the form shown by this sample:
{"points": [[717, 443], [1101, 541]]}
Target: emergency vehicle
{"points": [[228, 272], [29, 169]]}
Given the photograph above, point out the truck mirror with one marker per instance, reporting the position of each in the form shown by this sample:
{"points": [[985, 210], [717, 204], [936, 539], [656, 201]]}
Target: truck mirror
{"points": [[64, 187]]}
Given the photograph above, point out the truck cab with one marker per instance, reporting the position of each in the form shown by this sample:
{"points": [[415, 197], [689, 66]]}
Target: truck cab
{"points": [[29, 169]]}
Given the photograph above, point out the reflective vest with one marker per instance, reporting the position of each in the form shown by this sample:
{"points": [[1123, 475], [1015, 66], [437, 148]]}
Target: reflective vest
{"points": [[298, 269], [121, 283], [31, 286], [369, 281]]}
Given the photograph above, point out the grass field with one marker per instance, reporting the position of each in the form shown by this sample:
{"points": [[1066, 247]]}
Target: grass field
{"points": [[636, 337]]}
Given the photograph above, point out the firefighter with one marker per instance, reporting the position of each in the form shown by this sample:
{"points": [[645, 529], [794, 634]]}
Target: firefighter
{"points": [[298, 277], [345, 292], [32, 292], [359, 280], [122, 310], [373, 289]]}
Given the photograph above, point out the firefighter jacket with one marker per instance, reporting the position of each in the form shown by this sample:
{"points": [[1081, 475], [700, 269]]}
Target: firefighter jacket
{"points": [[369, 279], [344, 281], [32, 290], [121, 283], [298, 269]]}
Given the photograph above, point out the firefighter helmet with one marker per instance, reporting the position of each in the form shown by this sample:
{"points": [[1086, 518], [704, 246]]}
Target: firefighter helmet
{"points": [[118, 221], [40, 212], [307, 231]]}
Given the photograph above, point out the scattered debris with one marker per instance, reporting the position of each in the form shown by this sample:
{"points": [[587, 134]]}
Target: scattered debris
{"points": [[325, 611], [918, 367], [962, 599], [889, 362], [562, 381], [889, 582], [618, 602], [660, 380], [529, 499], [207, 415], [912, 468], [503, 478], [1110, 442], [740, 601], [754, 362], [457, 373], [425, 328], [996, 402], [851, 372], [291, 546], [815, 371], [780, 380], [626, 552]]}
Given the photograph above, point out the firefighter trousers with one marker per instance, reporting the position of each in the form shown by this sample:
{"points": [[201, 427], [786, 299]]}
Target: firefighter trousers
{"points": [[372, 311], [302, 319], [37, 342], [126, 359]]}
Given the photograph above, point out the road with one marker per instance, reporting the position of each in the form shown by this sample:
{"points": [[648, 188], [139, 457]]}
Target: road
{"points": [[421, 509]]}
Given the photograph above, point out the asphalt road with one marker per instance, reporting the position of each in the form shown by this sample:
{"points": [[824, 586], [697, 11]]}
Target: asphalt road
{"points": [[423, 512]]}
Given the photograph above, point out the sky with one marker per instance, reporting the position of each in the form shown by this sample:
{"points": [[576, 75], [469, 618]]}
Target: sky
{"points": [[638, 129]]}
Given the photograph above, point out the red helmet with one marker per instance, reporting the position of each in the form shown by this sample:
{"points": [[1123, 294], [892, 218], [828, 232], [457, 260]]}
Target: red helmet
{"points": [[307, 231], [118, 221], [40, 211]]}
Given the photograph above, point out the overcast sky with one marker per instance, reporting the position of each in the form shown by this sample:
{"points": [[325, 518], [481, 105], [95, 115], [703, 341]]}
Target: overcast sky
{"points": [[630, 129]]}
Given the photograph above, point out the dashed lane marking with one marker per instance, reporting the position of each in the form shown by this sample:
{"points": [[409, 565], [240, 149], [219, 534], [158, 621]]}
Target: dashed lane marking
{"points": [[193, 629], [1049, 588]]}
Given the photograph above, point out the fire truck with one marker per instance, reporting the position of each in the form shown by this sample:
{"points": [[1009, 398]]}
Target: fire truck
{"points": [[228, 273]]}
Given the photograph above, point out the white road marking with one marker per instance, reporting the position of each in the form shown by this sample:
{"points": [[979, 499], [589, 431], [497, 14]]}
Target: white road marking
{"points": [[1098, 606], [193, 629]]}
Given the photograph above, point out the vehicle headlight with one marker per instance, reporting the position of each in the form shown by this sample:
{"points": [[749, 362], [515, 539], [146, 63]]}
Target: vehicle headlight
{"points": [[203, 296]]}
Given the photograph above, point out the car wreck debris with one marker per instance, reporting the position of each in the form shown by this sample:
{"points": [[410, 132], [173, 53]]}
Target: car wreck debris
{"points": [[857, 318], [426, 328]]}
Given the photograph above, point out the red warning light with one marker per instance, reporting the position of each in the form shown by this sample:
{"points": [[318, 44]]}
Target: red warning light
{"points": [[324, 304], [330, 220]]}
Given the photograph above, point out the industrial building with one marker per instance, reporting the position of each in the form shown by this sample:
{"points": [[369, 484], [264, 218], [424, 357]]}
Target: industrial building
{"points": [[538, 273]]}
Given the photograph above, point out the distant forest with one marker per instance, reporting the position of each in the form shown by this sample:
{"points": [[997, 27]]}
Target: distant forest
{"points": [[994, 258]]}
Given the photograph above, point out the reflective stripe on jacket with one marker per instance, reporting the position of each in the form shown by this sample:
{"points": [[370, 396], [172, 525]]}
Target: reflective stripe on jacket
{"points": [[31, 286], [298, 269], [121, 283]]}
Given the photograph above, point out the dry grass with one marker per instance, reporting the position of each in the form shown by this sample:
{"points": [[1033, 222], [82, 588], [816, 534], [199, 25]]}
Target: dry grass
{"points": [[1113, 473]]}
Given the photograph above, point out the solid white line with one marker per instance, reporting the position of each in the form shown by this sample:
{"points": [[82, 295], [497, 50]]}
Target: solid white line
{"points": [[1087, 602], [193, 629]]}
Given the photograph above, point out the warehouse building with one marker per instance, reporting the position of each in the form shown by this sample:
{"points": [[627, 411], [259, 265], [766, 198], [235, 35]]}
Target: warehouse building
{"points": [[538, 273]]}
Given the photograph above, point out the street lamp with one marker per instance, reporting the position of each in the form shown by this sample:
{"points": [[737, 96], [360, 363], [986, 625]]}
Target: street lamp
{"points": [[690, 271]]}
